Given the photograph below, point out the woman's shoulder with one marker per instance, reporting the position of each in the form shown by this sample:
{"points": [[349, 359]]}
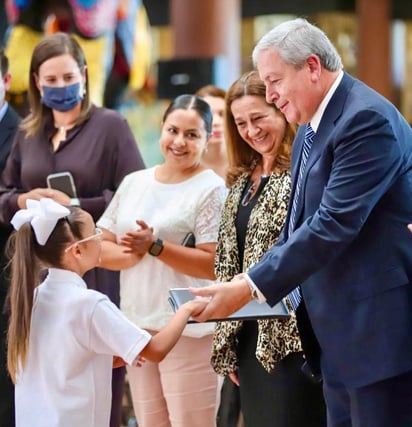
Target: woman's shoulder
{"points": [[209, 177], [282, 179], [205, 184], [141, 175], [106, 116]]}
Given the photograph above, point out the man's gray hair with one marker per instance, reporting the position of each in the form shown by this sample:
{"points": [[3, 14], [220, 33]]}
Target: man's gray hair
{"points": [[295, 41]]}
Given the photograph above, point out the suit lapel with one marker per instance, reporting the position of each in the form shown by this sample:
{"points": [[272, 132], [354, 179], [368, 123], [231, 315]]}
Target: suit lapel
{"points": [[327, 123], [8, 128]]}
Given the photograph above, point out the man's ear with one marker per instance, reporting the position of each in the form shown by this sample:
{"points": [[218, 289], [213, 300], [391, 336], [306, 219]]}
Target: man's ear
{"points": [[7, 81], [314, 65]]}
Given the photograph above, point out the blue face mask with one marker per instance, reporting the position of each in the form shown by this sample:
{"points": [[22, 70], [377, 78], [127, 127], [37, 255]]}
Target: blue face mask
{"points": [[61, 98]]}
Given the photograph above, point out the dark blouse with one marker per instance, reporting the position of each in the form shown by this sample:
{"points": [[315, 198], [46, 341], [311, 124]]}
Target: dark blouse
{"points": [[98, 153], [243, 214]]}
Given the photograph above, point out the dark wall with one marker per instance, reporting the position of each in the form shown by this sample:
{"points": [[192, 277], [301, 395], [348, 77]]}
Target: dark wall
{"points": [[158, 10], [402, 9], [298, 7]]}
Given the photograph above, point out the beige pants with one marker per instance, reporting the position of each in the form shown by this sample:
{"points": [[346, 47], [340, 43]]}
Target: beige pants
{"points": [[181, 391]]}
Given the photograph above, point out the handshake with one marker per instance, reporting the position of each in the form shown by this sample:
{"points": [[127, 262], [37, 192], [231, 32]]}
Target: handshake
{"points": [[223, 301], [220, 300]]}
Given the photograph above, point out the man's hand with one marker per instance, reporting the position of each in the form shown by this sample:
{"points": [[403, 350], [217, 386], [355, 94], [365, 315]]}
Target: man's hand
{"points": [[225, 299]]}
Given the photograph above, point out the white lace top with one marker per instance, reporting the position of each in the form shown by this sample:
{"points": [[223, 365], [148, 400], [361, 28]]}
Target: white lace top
{"points": [[172, 210]]}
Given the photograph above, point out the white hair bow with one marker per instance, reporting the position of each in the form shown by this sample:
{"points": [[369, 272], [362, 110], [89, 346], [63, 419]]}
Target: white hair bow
{"points": [[43, 215]]}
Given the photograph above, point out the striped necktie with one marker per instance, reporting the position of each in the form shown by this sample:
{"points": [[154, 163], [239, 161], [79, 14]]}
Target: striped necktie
{"points": [[295, 295]]}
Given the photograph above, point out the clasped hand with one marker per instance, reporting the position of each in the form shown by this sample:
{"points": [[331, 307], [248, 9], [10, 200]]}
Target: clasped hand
{"points": [[225, 299], [139, 240]]}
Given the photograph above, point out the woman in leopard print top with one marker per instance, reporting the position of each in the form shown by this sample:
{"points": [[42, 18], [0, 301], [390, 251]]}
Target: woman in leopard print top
{"points": [[263, 357]]}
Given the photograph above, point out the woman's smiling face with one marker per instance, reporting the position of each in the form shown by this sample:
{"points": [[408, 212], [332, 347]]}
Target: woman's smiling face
{"points": [[260, 125], [183, 138]]}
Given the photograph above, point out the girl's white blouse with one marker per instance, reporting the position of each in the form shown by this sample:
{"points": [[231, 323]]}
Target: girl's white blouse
{"points": [[74, 334]]}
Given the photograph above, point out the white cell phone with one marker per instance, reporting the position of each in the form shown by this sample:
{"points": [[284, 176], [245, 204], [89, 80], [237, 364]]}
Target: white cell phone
{"points": [[64, 182]]}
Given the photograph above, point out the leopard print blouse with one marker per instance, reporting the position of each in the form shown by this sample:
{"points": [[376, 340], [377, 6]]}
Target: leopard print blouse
{"points": [[276, 337]]}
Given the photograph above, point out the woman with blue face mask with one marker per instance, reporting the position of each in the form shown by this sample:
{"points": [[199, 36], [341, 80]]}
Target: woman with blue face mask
{"points": [[65, 132]]}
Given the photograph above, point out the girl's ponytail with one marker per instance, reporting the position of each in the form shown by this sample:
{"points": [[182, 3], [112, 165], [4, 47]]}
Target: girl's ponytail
{"points": [[25, 271]]}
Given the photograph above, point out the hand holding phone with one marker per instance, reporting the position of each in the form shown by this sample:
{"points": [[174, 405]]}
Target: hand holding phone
{"points": [[62, 181]]}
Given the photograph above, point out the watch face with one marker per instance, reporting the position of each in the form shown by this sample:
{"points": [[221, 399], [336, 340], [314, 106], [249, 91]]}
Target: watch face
{"points": [[156, 248]]}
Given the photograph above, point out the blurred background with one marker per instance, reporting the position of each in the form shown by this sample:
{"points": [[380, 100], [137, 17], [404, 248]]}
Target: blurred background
{"points": [[141, 53]]}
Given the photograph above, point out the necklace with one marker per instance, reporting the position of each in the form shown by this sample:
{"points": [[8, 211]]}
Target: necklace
{"points": [[249, 194], [61, 129], [253, 189]]}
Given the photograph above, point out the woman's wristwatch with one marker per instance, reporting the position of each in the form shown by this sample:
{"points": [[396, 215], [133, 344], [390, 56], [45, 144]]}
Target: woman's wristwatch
{"points": [[156, 247]]}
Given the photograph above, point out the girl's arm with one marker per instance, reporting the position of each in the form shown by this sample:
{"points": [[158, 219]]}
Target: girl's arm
{"points": [[162, 342]]}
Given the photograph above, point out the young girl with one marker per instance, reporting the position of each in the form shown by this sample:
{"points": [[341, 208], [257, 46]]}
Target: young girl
{"points": [[62, 336]]}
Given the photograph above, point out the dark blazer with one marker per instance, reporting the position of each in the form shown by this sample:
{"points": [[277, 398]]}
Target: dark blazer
{"points": [[352, 251], [8, 127]]}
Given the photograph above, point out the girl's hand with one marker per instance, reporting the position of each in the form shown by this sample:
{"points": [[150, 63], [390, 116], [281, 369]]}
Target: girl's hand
{"points": [[196, 305]]}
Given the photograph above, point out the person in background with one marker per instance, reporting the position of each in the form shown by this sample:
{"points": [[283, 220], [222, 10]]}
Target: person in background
{"points": [[66, 133], [215, 156], [9, 121], [150, 215], [345, 253], [63, 336], [260, 355]]}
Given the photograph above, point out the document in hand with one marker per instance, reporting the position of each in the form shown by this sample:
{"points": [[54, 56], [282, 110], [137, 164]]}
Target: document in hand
{"points": [[252, 310]]}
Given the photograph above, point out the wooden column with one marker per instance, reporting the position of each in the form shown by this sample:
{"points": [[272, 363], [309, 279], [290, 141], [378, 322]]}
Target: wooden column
{"points": [[374, 51], [207, 29]]}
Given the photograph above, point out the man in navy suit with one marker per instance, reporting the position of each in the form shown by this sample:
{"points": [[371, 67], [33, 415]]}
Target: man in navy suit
{"points": [[9, 121], [348, 246]]}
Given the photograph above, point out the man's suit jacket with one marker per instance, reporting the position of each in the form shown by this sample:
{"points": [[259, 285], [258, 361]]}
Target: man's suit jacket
{"points": [[8, 127], [352, 251]]}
